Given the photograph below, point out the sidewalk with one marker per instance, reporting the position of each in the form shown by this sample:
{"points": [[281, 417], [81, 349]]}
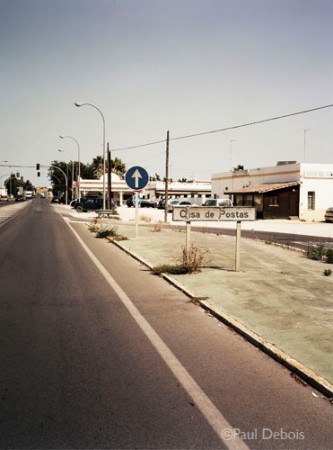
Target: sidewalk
{"points": [[279, 300]]}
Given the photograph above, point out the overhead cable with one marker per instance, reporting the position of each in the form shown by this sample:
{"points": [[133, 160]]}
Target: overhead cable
{"points": [[220, 130]]}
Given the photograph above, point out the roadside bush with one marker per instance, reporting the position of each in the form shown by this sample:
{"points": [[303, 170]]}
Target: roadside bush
{"points": [[194, 258], [316, 252], [191, 262], [106, 231], [327, 272], [94, 226], [329, 256]]}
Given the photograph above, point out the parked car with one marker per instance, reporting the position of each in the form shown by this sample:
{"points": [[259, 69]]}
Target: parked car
{"points": [[217, 202], [58, 200], [143, 203], [74, 202], [329, 215], [173, 203], [20, 198], [161, 204], [92, 203], [89, 203]]}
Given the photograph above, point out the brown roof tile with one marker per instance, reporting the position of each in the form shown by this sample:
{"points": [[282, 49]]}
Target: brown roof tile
{"points": [[261, 188]]}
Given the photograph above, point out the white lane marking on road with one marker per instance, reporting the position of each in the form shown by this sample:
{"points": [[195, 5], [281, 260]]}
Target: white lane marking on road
{"points": [[220, 425]]}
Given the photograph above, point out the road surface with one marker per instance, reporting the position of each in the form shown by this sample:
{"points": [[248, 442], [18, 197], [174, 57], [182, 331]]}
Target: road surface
{"points": [[96, 352]]}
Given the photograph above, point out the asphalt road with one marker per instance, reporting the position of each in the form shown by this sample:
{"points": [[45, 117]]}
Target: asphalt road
{"points": [[96, 352]]}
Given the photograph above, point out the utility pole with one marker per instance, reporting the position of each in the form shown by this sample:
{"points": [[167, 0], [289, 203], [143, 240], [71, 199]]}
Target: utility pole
{"points": [[109, 177], [166, 179]]}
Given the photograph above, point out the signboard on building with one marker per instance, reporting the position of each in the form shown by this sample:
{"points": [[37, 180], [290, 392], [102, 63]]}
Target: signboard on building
{"points": [[213, 213]]}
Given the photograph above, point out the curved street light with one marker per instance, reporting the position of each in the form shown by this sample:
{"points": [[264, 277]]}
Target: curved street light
{"points": [[66, 181], [78, 155], [79, 104]]}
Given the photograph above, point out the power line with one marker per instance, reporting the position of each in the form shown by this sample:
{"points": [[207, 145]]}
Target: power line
{"points": [[220, 130]]}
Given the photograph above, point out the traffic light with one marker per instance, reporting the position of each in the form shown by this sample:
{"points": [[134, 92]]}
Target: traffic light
{"points": [[17, 174], [37, 166], [38, 174]]}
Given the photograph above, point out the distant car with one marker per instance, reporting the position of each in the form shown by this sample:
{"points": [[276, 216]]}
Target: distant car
{"points": [[56, 200], [89, 204], [329, 215], [20, 198], [161, 204], [148, 203], [74, 202], [92, 203], [143, 203], [173, 203], [217, 202]]}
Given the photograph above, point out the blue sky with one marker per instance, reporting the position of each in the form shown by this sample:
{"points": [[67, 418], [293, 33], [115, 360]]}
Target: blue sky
{"points": [[187, 66]]}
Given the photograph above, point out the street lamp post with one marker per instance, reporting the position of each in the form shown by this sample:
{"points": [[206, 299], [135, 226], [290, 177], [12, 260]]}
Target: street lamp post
{"points": [[66, 181], [61, 151], [79, 162], [79, 104]]}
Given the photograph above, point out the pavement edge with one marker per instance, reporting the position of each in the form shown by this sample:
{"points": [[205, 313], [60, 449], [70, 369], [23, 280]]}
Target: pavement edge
{"points": [[309, 376]]}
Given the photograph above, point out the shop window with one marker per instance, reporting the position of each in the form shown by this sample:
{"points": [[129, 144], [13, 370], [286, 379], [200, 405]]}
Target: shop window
{"points": [[311, 200]]}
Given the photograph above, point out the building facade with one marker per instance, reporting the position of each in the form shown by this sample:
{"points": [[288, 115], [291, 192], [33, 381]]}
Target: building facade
{"points": [[196, 189], [289, 189]]}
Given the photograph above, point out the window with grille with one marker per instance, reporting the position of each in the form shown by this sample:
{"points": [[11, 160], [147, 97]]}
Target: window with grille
{"points": [[311, 200]]}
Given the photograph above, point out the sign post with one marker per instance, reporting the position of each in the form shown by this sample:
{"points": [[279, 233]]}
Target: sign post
{"points": [[203, 214], [237, 255], [136, 178]]}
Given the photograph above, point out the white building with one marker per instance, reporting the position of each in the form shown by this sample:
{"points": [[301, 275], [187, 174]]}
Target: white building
{"points": [[288, 189], [197, 189]]}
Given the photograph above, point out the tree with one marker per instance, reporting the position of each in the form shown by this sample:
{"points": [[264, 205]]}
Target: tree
{"points": [[97, 167], [117, 166], [13, 184], [87, 171], [57, 177]]}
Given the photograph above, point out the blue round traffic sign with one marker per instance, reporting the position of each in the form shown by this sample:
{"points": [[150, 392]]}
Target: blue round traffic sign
{"points": [[136, 178]]}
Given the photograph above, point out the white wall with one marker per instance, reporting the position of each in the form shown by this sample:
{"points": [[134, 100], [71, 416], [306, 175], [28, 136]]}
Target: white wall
{"points": [[317, 178], [252, 177], [312, 177]]}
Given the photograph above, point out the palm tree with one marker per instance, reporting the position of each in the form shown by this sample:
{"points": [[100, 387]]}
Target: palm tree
{"points": [[97, 166], [117, 166]]}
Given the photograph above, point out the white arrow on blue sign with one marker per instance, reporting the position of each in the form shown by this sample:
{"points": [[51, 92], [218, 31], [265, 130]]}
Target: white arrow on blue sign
{"points": [[136, 178]]}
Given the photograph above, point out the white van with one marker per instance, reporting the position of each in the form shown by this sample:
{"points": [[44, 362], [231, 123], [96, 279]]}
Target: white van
{"points": [[217, 202]]}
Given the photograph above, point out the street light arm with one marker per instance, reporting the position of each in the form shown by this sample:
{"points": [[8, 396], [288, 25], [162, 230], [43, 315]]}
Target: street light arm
{"points": [[62, 136], [79, 104]]}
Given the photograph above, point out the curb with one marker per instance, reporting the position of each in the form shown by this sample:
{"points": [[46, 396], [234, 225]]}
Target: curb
{"points": [[309, 376]]}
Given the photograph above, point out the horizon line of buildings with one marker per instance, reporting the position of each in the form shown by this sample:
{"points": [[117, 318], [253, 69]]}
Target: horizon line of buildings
{"points": [[287, 190]]}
